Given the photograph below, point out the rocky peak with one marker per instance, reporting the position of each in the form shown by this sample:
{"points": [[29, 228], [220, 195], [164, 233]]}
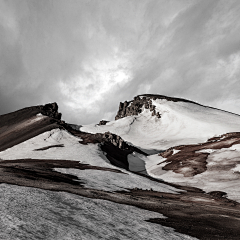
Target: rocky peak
{"points": [[51, 110], [129, 108], [135, 107]]}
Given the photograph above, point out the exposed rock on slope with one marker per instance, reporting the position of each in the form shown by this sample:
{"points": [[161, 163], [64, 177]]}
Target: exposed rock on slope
{"points": [[103, 122], [129, 108], [135, 107], [115, 148], [51, 110]]}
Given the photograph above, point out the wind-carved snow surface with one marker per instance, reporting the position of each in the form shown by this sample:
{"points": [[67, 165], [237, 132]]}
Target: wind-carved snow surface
{"points": [[222, 174], [87, 154], [31, 213], [110, 181], [180, 123]]}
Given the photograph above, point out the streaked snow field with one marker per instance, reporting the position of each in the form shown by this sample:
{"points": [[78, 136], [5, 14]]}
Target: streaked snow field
{"points": [[31, 214]]}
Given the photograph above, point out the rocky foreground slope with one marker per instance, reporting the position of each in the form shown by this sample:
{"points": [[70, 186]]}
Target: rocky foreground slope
{"points": [[60, 181]]}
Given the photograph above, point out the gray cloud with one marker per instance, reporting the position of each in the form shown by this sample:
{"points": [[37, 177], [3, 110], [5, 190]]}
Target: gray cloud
{"points": [[89, 55]]}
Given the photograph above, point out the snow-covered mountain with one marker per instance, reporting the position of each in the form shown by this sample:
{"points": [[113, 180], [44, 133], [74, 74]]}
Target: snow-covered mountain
{"points": [[159, 122], [105, 181]]}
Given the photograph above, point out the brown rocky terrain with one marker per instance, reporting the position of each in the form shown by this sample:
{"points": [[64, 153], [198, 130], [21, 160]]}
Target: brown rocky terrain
{"points": [[189, 161]]}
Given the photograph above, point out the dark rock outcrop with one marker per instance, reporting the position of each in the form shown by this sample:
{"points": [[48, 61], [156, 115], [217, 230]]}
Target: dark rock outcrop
{"points": [[115, 140], [117, 150], [136, 106], [51, 110], [103, 122], [114, 146]]}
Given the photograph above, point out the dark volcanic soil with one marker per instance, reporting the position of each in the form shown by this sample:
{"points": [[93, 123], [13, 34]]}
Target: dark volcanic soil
{"points": [[20, 126]]}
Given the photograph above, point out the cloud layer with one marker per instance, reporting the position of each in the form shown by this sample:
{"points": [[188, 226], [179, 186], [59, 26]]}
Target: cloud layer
{"points": [[89, 55]]}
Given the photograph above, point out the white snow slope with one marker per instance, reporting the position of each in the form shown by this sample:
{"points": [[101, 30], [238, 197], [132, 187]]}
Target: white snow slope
{"points": [[180, 123], [30, 213]]}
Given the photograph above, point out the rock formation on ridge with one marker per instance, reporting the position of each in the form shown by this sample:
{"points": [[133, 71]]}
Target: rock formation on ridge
{"points": [[129, 108]]}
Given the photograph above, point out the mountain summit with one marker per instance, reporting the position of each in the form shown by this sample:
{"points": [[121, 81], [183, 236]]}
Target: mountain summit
{"points": [[159, 122]]}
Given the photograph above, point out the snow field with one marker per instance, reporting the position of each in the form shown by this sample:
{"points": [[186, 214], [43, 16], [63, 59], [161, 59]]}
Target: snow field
{"points": [[87, 154], [31, 213]]}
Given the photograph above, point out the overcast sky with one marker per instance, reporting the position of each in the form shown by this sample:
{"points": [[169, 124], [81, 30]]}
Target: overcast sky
{"points": [[89, 55]]}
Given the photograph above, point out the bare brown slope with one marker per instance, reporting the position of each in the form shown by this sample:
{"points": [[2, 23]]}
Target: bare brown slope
{"points": [[20, 126]]}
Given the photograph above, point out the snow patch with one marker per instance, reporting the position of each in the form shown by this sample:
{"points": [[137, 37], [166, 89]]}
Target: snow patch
{"points": [[237, 168], [86, 154], [206, 151], [175, 151]]}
